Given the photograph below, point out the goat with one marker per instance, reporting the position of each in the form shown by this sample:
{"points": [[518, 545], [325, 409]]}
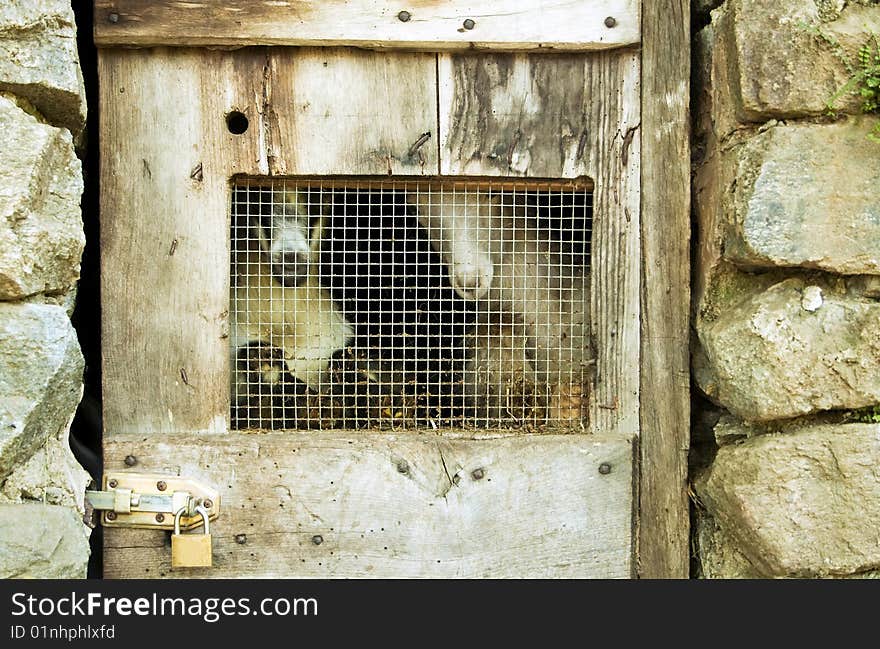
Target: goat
{"points": [[284, 325], [533, 315]]}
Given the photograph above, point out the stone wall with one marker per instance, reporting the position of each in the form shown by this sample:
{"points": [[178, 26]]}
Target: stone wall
{"points": [[42, 117], [786, 292]]}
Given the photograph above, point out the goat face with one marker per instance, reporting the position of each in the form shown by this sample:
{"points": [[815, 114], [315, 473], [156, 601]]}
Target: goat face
{"points": [[290, 237]]}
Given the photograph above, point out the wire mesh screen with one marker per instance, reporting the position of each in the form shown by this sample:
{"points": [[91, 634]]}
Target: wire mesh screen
{"points": [[410, 304]]}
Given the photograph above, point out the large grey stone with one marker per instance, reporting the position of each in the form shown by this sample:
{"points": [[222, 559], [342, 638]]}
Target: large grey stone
{"points": [[770, 356], [42, 542], [800, 504], [52, 475], [40, 379], [807, 195], [41, 233], [39, 59], [782, 59]]}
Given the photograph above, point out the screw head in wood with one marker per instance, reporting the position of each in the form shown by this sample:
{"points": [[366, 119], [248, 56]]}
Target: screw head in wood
{"points": [[208, 503], [111, 516], [113, 17], [469, 24], [241, 539], [478, 474], [404, 16], [160, 518], [130, 460], [611, 22], [112, 484], [604, 468], [317, 539], [161, 486]]}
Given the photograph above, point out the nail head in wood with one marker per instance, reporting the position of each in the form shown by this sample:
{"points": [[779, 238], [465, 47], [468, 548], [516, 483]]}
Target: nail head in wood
{"points": [[469, 24], [478, 474], [317, 539], [404, 16], [604, 468], [113, 18], [130, 460], [611, 22]]}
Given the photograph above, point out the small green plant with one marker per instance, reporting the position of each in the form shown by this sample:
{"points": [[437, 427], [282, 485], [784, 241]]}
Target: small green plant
{"points": [[865, 81], [869, 415]]}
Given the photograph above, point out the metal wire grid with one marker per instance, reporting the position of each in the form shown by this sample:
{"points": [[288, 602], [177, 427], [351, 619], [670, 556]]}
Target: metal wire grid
{"points": [[409, 304]]}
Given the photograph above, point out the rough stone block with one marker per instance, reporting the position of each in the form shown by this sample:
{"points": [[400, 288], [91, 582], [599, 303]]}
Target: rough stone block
{"points": [[801, 503], [42, 542], [41, 232], [809, 196], [52, 475], [41, 371], [39, 60], [772, 61], [769, 358], [718, 555]]}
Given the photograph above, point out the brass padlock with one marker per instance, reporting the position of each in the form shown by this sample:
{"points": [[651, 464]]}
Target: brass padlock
{"points": [[191, 550]]}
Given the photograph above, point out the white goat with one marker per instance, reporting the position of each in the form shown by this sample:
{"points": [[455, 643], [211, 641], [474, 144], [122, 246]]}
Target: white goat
{"points": [[534, 302], [284, 326]]}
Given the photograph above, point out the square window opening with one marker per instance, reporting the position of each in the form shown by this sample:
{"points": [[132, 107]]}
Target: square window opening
{"points": [[410, 304]]}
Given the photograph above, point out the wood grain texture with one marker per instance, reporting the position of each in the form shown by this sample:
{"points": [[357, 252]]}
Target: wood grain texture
{"points": [[164, 231], [665, 414], [378, 505], [565, 116], [347, 111], [509, 115], [433, 24]]}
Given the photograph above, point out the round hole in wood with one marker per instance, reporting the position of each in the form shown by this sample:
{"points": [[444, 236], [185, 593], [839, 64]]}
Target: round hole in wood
{"points": [[236, 122]]}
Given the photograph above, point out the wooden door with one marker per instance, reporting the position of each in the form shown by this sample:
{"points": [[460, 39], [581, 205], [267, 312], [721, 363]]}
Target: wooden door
{"points": [[346, 503]]}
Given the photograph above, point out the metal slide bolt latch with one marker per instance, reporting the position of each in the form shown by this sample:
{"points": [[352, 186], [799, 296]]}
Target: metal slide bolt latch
{"points": [[152, 501], [191, 550]]}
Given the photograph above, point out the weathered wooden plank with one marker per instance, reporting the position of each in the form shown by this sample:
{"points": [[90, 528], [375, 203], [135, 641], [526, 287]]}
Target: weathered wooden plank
{"points": [[381, 505], [429, 25], [164, 232], [616, 262], [564, 116], [347, 111], [665, 384], [512, 115]]}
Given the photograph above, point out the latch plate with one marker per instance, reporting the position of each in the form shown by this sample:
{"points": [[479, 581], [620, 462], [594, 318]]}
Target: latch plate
{"points": [[158, 497]]}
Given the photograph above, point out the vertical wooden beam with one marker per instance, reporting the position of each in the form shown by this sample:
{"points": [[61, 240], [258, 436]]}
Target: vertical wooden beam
{"points": [[665, 383]]}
